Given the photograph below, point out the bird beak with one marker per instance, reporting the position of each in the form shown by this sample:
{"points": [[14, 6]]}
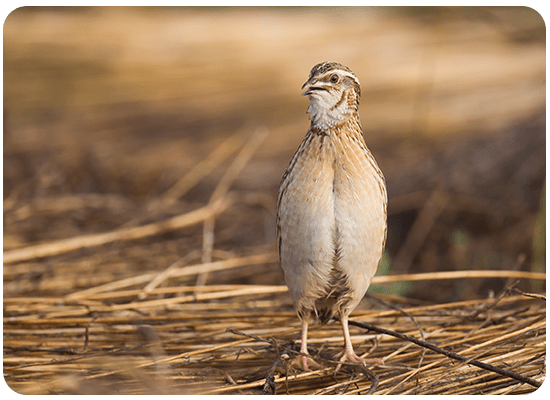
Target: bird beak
{"points": [[310, 87]]}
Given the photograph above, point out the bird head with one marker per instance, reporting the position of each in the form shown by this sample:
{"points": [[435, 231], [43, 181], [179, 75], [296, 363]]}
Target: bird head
{"points": [[334, 92]]}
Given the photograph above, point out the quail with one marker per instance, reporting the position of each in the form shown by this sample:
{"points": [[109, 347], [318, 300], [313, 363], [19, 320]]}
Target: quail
{"points": [[331, 208]]}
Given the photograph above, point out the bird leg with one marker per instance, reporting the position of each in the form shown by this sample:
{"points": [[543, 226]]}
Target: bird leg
{"points": [[349, 354], [303, 349]]}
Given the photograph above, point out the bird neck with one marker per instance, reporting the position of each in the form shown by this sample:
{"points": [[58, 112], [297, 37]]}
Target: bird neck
{"points": [[350, 124]]}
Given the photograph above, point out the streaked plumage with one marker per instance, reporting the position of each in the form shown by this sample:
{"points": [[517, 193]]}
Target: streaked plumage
{"points": [[331, 213]]}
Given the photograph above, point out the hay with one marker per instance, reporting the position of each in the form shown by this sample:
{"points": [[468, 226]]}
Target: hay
{"points": [[106, 341]]}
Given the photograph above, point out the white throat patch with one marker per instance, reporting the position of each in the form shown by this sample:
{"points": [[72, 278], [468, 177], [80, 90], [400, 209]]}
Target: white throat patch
{"points": [[324, 114]]}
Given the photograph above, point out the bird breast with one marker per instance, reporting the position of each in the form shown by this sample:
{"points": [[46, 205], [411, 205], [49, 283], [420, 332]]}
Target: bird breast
{"points": [[332, 217]]}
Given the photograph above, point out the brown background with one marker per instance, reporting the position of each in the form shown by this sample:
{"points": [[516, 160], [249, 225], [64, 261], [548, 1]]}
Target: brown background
{"points": [[123, 102]]}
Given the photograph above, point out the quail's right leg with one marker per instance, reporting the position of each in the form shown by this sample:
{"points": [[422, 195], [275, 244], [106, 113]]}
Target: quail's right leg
{"points": [[349, 353]]}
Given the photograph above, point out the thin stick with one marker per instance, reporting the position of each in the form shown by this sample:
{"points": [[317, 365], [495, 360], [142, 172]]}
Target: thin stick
{"points": [[207, 248], [272, 257], [469, 274], [375, 380], [447, 353], [221, 190], [204, 167], [207, 242], [532, 295], [239, 163], [193, 298], [177, 272], [408, 315], [162, 276], [79, 242]]}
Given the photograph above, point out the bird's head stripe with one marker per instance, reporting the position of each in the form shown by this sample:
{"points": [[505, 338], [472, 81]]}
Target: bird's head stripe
{"points": [[340, 72]]}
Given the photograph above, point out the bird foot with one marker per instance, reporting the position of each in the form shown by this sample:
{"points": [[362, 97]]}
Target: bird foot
{"points": [[305, 362], [350, 356]]}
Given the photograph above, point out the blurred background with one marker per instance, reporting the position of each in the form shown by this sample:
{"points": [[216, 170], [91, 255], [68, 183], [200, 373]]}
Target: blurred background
{"points": [[106, 109]]}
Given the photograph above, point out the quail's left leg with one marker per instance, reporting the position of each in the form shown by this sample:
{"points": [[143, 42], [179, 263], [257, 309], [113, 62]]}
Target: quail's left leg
{"points": [[303, 349], [349, 354]]}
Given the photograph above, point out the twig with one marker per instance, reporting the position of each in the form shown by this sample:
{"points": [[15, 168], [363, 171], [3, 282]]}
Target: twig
{"points": [[166, 274], [484, 308], [86, 333], [496, 300], [178, 272], [207, 247], [394, 307], [191, 298], [204, 167], [221, 190], [372, 376], [468, 274], [239, 163], [269, 385], [532, 295], [268, 340], [446, 353], [342, 387], [249, 335], [162, 276]]}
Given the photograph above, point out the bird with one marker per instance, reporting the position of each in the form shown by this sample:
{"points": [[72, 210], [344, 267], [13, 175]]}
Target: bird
{"points": [[331, 209]]}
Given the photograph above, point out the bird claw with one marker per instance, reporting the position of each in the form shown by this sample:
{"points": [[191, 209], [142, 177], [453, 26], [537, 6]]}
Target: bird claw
{"points": [[350, 356], [305, 362]]}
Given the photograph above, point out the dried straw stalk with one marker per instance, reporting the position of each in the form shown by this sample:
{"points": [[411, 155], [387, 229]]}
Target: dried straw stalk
{"points": [[53, 345]]}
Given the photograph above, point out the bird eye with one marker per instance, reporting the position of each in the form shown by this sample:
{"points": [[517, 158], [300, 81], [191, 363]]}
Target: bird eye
{"points": [[334, 78]]}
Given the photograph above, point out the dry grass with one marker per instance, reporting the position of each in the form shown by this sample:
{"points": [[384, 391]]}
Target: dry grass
{"points": [[191, 339]]}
